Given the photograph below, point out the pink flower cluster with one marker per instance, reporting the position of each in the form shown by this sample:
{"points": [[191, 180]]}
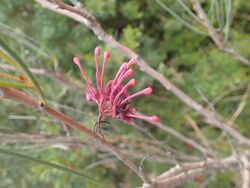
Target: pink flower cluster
{"points": [[113, 98]]}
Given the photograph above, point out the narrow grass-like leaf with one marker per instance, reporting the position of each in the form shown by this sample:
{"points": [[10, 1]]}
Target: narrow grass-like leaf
{"points": [[189, 11], [31, 43], [228, 12], [211, 12], [25, 69], [10, 61], [13, 85], [180, 19], [20, 79], [49, 164], [9, 76]]}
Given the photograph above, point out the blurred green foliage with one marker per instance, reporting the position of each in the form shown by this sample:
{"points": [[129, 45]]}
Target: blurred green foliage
{"points": [[189, 60]]}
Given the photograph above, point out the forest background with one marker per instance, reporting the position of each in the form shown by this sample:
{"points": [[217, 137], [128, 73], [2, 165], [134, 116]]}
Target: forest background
{"points": [[172, 38]]}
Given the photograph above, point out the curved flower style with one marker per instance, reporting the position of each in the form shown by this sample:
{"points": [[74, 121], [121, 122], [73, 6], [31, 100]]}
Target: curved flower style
{"points": [[113, 98]]}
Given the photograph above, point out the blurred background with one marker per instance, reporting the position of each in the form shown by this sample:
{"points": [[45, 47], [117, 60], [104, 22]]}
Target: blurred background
{"points": [[166, 35]]}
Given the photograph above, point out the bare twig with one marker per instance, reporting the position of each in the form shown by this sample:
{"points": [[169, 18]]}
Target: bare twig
{"points": [[214, 36], [246, 172], [179, 174], [100, 162], [197, 130], [82, 16], [23, 98], [221, 96], [178, 154], [181, 137], [70, 142], [58, 76], [231, 142], [240, 107]]}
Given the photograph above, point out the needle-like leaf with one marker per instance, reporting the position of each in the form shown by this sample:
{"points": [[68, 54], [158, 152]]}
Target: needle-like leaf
{"points": [[15, 60], [49, 164], [14, 85]]}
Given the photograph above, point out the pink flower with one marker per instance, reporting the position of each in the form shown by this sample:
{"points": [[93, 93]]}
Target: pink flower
{"points": [[113, 98]]}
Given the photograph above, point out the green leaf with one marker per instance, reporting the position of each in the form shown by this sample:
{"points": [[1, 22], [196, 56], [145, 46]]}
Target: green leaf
{"points": [[131, 10], [179, 18], [12, 55], [131, 36], [13, 85], [10, 61], [18, 36], [49, 164]]}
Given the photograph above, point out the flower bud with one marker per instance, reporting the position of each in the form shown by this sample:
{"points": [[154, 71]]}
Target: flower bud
{"points": [[147, 91], [132, 62], [132, 82], [106, 54], [154, 119], [97, 51], [76, 60]]}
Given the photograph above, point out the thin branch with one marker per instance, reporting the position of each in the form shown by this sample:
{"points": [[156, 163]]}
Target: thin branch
{"points": [[180, 136], [212, 33], [101, 162], [221, 96], [70, 142], [25, 99], [58, 76], [231, 142], [165, 149], [198, 132], [240, 107], [82, 16], [180, 19], [195, 17], [181, 173], [246, 172]]}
